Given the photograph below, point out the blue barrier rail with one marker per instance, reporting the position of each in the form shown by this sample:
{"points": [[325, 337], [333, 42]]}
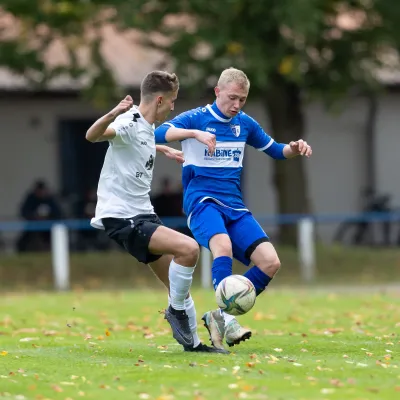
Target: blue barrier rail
{"points": [[78, 224]]}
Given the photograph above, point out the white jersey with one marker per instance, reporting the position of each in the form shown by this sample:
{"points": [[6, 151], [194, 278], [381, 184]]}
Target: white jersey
{"points": [[125, 179]]}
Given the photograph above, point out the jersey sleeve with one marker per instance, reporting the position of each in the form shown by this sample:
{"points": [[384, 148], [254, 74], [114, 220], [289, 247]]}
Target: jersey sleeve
{"points": [[258, 138], [125, 128], [183, 121], [261, 141]]}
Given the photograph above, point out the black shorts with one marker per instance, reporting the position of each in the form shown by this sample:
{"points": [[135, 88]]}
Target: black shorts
{"points": [[133, 234]]}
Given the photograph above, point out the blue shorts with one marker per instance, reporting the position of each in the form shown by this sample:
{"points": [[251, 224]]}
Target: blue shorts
{"points": [[209, 219]]}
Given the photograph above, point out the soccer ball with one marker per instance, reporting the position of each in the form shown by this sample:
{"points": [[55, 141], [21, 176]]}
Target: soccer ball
{"points": [[235, 295]]}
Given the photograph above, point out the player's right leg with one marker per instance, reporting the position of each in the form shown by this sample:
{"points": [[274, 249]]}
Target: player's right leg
{"points": [[145, 238], [208, 227], [185, 252], [160, 268]]}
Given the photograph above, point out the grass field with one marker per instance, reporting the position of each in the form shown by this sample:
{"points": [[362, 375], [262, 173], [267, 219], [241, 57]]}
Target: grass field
{"points": [[116, 345], [335, 264]]}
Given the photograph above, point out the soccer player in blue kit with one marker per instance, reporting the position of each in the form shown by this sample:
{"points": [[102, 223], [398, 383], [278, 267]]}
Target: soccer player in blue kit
{"points": [[217, 215]]}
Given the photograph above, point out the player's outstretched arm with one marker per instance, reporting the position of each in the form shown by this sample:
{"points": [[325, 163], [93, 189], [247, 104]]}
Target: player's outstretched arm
{"points": [[100, 130], [261, 141], [177, 134], [171, 153]]}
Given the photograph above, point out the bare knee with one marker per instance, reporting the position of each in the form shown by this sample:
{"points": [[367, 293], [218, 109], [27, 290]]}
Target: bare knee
{"points": [[188, 253], [221, 245], [266, 258], [270, 266]]}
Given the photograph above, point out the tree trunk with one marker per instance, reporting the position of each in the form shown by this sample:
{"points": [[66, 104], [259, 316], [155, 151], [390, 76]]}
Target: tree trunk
{"points": [[284, 105]]}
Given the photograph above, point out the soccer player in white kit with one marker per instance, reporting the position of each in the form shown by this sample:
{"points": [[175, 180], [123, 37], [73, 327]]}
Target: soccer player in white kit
{"points": [[124, 209]]}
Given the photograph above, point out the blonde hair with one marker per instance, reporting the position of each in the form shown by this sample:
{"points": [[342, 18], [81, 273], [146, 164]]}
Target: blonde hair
{"points": [[234, 75]]}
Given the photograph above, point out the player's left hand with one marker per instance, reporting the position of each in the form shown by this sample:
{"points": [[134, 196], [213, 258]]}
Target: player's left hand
{"points": [[301, 148], [174, 154]]}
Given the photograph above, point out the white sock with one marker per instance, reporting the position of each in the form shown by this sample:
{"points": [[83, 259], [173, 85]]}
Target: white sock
{"points": [[191, 313], [180, 280], [227, 317]]}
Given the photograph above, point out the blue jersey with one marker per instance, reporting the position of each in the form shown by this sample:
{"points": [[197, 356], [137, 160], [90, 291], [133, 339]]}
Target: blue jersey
{"points": [[217, 177]]}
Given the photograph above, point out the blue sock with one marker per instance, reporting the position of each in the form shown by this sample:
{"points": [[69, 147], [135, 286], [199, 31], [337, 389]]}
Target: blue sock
{"points": [[258, 278], [222, 267]]}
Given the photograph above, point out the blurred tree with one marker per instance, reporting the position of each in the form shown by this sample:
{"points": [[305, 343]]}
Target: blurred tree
{"points": [[293, 51], [29, 28]]}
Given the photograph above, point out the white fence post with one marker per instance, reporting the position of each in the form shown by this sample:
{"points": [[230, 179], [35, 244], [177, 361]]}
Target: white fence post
{"points": [[60, 256], [206, 260], [306, 248]]}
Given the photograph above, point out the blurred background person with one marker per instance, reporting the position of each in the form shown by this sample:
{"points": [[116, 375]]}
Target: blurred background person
{"points": [[38, 205]]}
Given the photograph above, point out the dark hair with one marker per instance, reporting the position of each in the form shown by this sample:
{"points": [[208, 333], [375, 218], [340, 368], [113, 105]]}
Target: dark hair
{"points": [[159, 81]]}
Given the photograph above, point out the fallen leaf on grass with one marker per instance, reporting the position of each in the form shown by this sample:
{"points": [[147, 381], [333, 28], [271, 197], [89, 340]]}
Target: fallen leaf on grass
{"points": [[148, 336], [57, 388], [233, 386], [25, 330], [103, 386], [327, 391], [28, 339], [383, 365], [336, 382], [319, 368], [50, 333]]}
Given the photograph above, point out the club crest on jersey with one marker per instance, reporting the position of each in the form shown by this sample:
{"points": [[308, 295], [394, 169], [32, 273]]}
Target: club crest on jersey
{"points": [[236, 155], [235, 130]]}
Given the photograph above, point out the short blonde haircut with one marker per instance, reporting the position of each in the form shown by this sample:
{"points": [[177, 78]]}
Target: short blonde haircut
{"points": [[237, 76]]}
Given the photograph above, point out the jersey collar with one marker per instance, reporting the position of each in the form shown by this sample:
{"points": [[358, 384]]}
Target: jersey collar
{"points": [[135, 110], [216, 113]]}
